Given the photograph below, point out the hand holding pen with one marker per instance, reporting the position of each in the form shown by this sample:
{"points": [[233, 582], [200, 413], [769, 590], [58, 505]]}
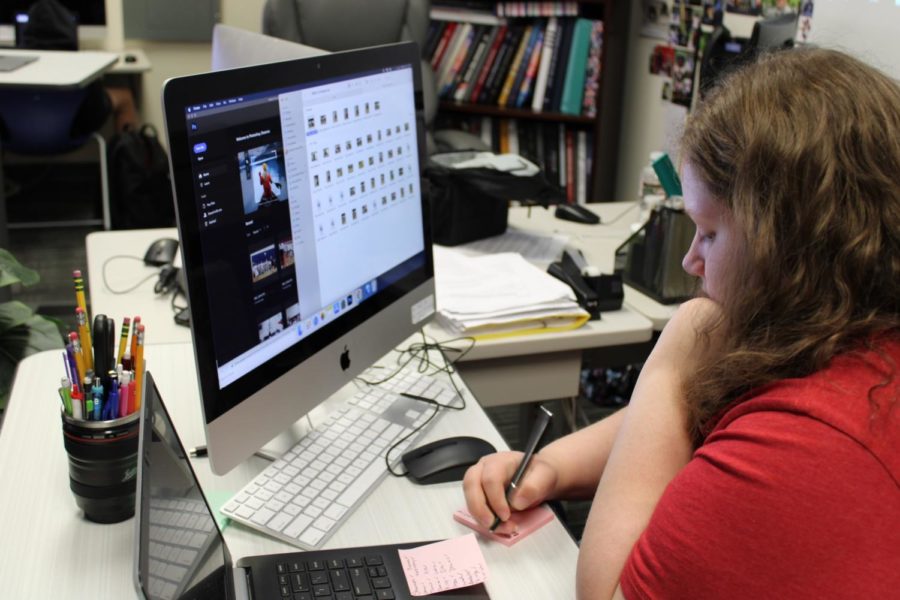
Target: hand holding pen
{"points": [[485, 494]]}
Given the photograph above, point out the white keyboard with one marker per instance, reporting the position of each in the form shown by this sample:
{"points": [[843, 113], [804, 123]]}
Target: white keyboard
{"points": [[303, 497]]}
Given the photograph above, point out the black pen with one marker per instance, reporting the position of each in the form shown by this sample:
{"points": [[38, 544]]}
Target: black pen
{"points": [[537, 432]]}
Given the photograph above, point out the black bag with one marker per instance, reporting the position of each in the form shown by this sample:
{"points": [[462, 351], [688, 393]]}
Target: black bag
{"points": [[140, 191], [51, 26], [471, 204]]}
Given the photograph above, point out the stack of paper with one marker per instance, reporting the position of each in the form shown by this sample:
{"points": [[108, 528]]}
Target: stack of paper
{"points": [[501, 294]]}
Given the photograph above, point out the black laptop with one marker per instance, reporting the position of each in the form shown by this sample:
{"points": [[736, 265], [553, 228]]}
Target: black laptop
{"points": [[181, 553]]}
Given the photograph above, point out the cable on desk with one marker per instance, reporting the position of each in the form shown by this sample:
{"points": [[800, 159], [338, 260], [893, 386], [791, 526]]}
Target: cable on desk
{"points": [[421, 351], [132, 288], [620, 215]]}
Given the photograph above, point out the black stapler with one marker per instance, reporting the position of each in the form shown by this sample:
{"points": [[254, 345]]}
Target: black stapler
{"points": [[568, 272], [594, 294]]}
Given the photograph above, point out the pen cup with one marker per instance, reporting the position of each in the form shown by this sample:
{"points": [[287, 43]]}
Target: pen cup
{"points": [[103, 466]]}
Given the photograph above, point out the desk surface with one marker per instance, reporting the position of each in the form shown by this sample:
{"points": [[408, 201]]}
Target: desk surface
{"points": [[507, 370], [57, 69], [45, 532]]}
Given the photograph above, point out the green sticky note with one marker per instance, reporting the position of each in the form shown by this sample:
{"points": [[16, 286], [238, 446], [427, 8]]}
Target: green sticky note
{"points": [[217, 500], [668, 177]]}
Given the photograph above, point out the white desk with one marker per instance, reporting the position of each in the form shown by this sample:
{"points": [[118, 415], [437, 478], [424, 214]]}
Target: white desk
{"points": [[132, 61], [509, 370], [49, 549], [57, 68]]}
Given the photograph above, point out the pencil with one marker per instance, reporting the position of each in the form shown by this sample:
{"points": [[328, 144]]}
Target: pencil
{"points": [[139, 367], [135, 323], [79, 294], [84, 333], [123, 340]]}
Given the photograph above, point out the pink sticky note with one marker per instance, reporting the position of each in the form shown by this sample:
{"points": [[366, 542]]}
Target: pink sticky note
{"points": [[442, 566], [528, 521]]}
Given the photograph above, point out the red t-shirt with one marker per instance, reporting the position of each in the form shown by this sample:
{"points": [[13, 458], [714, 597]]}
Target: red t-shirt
{"points": [[794, 494]]}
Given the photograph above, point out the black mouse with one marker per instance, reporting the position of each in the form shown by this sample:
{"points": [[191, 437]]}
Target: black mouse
{"points": [[576, 213], [444, 460], [161, 252], [130, 58]]}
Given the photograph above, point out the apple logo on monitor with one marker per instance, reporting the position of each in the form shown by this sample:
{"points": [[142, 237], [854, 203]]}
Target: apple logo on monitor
{"points": [[345, 359]]}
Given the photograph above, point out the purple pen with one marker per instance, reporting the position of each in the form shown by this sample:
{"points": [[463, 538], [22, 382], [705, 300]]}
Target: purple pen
{"points": [[68, 367], [70, 354]]}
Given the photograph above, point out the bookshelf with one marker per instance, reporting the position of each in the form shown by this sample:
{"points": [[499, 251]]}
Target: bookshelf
{"points": [[577, 145]]}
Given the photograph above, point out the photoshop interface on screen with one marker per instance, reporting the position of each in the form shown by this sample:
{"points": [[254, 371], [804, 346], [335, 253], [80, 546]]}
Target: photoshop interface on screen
{"points": [[315, 191]]}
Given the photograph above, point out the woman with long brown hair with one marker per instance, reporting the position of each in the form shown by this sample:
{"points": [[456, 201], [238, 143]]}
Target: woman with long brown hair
{"points": [[759, 454]]}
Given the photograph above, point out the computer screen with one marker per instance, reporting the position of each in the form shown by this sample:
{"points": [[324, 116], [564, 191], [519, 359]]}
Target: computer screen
{"points": [[305, 237], [90, 15]]}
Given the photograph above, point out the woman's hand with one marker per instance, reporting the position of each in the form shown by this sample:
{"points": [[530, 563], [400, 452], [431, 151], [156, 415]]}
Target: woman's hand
{"points": [[486, 481]]}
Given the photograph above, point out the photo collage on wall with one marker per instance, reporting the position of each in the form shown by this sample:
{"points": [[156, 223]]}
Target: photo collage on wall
{"points": [[685, 26]]}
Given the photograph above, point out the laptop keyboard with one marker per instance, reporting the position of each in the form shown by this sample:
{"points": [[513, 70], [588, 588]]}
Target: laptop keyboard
{"points": [[304, 497], [181, 532], [351, 579]]}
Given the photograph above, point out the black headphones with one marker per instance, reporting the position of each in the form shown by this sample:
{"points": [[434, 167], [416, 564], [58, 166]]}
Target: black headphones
{"points": [[168, 280]]}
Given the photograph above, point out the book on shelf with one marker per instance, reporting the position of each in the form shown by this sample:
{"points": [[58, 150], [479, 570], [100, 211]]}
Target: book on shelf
{"points": [[527, 86], [435, 30], [456, 46], [461, 63], [522, 69], [467, 79], [540, 83], [501, 66], [558, 68], [581, 166], [592, 76], [441, 47], [514, 66], [497, 39], [573, 86]]}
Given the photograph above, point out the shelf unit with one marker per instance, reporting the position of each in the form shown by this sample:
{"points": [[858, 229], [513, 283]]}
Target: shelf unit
{"points": [[605, 127]]}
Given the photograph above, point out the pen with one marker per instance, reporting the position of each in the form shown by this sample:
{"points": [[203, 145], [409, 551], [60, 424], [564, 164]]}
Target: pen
{"points": [[77, 411], [419, 398], [98, 398], [124, 409], [65, 395], [537, 432]]}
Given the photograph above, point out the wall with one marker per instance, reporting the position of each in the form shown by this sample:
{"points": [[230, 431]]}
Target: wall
{"points": [[175, 59], [648, 122]]}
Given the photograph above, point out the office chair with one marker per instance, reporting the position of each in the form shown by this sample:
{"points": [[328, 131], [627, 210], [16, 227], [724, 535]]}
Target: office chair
{"points": [[336, 25], [41, 123]]}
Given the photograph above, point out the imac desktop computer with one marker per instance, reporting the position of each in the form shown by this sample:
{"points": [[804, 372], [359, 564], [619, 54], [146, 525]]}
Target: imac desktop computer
{"points": [[306, 240]]}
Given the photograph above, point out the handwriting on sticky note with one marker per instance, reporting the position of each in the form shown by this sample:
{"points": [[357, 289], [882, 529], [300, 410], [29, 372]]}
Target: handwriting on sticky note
{"points": [[443, 566]]}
